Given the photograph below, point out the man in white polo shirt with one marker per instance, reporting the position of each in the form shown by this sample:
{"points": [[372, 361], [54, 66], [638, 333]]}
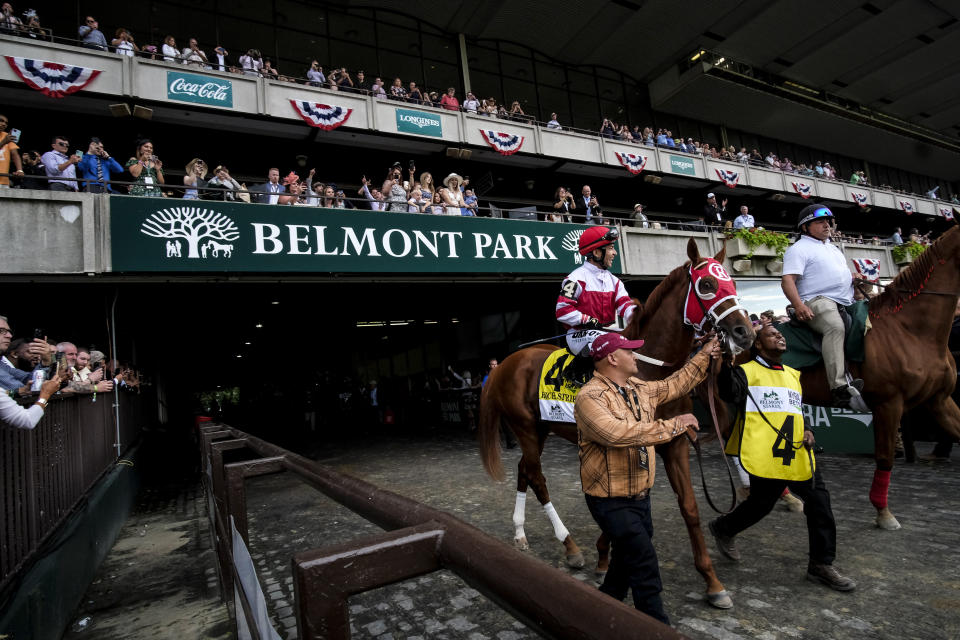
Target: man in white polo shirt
{"points": [[815, 280]]}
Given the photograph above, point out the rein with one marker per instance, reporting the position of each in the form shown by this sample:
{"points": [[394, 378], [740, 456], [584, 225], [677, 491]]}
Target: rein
{"points": [[711, 390]]}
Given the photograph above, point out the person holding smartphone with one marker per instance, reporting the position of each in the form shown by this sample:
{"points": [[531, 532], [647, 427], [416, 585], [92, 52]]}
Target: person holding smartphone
{"points": [[61, 168], [97, 168], [8, 153], [147, 171]]}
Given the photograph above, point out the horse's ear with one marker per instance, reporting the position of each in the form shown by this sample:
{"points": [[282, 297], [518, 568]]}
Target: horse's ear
{"points": [[638, 311], [723, 252], [693, 251]]}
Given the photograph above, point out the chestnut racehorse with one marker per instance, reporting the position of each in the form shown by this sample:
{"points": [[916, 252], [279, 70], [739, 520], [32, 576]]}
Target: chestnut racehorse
{"points": [[907, 363], [510, 398]]}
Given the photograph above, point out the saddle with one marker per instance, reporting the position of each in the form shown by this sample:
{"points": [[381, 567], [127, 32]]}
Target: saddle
{"points": [[804, 346]]}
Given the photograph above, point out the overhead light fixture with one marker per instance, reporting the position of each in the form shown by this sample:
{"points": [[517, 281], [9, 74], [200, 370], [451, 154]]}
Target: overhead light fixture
{"points": [[721, 60], [697, 55], [246, 343], [275, 302], [259, 326], [239, 356], [429, 322], [120, 110], [466, 154], [371, 323], [145, 113], [399, 323], [454, 320]]}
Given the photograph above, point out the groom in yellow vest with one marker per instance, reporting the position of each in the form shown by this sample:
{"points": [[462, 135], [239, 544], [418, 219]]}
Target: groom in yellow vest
{"points": [[776, 450]]}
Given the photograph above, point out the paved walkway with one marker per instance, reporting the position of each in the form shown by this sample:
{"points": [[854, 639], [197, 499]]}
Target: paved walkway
{"points": [[159, 580], [909, 581]]}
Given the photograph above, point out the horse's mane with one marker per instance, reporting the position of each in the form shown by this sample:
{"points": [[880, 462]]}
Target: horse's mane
{"points": [[656, 297], [915, 275]]}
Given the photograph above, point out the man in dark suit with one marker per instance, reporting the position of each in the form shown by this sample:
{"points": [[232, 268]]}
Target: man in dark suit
{"points": [[712, 212], [268, 192]]}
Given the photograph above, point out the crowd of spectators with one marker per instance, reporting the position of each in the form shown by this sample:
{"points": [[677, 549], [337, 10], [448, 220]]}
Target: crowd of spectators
{"points": [[37, 367], [146, 171]]}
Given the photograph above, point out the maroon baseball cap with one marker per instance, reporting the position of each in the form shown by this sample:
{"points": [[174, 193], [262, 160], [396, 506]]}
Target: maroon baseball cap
{"points": [[610, 342]]}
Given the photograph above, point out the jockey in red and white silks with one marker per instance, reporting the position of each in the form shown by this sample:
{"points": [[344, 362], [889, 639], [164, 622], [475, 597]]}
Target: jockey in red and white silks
{"points": [[591, 297]]}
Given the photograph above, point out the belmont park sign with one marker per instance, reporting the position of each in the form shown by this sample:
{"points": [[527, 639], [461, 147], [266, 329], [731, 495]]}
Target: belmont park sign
{"points": [[160, 234]]}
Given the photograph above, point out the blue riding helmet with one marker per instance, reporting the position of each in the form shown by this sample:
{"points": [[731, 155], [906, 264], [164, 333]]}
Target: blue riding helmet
{"points": [[814, 212]]}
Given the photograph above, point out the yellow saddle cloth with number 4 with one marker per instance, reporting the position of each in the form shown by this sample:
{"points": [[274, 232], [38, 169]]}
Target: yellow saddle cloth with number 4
{"points": [[556, 393]]}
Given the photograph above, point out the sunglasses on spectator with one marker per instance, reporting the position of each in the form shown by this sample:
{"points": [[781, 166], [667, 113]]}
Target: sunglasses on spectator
{"points": [[64, 143]]}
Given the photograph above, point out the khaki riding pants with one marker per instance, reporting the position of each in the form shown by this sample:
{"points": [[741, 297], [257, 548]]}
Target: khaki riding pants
{"points": [[828, 323]]}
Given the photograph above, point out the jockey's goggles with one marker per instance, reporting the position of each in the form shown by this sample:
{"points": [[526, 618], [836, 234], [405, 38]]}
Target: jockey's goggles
{"points": [[816, 214], [612, 235]]}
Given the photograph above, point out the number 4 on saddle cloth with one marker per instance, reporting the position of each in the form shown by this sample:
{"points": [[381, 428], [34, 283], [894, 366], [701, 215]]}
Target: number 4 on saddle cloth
{"points": [[556, 393], [804, 345]]}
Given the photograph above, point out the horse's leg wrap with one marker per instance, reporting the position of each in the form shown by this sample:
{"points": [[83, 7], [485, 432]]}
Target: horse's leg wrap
{"points": [[518, 516], [879, 488], [558, 529]]}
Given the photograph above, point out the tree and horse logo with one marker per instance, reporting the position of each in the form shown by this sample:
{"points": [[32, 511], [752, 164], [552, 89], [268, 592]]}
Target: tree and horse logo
{"points": [[193, 225], [571, 242]]}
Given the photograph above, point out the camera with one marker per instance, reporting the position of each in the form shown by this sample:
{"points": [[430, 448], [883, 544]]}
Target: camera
{"points": [[412, 164], [38, 334]]}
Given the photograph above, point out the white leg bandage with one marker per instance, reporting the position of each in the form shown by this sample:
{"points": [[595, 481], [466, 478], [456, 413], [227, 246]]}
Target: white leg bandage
{"points": [[518, 514], [558, 529]]}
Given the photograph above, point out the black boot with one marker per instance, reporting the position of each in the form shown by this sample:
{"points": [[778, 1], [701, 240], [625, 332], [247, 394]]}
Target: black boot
{"points": [[840, 397], [579, 371]]}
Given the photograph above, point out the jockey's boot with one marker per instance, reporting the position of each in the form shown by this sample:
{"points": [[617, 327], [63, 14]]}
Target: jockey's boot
{"points": [[579, 371]]}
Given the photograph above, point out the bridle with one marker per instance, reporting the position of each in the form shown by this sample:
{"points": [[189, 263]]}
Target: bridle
{"points": [[710, 320], [726, 290]]}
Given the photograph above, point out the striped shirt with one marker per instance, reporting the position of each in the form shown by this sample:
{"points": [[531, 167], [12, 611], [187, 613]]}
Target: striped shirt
{"points": [[592, 292]]}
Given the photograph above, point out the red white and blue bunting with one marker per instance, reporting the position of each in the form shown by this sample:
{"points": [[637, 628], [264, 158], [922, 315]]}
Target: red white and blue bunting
{"points": [[321, 116], [860, 198], [803, 189], [730, 178], [868, 268], [907, 206], [946, 212], [633, 162], [505, 143], [52, 79]]}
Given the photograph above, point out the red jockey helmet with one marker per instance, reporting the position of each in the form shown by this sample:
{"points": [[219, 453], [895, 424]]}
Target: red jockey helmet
{"points": [[597, 238]]}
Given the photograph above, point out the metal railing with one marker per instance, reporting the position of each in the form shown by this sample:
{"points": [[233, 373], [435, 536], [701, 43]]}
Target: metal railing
{"points": [[420, 540], [45, 471]]}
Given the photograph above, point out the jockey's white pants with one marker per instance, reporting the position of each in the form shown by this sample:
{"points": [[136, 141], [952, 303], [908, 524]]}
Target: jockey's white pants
{"points": [[828, 323], [579, 340]]}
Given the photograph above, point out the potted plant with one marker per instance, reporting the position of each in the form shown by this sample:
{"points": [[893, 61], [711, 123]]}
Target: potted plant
{"points": [[905, 253], [759, 242]]}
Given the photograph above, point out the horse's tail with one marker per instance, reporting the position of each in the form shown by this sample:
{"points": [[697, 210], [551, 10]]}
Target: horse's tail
{"points": [[488, 433]]}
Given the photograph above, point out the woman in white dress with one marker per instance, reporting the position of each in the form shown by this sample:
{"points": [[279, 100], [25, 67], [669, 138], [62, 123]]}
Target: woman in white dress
{"points": [[451, 194]]}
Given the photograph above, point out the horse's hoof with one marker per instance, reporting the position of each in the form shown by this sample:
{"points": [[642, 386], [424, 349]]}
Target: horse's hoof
{"points": [[887, 522], [575, 561], [720, 600], [521, 543]]}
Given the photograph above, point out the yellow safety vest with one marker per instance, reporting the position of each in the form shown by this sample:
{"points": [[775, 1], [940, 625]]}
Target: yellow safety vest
{"points": [[764, 451]]}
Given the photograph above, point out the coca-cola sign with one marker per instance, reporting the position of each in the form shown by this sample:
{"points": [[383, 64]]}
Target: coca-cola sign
{"points": [[191, 87]]}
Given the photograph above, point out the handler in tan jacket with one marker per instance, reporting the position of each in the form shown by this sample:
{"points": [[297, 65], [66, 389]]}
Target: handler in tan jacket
{"points": [[617, 432]]}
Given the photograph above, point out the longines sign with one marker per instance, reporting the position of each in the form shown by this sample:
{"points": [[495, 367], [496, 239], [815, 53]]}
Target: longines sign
{"points": [[165, 234], [190, 87]]}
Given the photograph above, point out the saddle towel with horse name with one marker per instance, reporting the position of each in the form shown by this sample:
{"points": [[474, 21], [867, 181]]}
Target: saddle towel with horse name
{"points": [[555, 393], [771, 448]]}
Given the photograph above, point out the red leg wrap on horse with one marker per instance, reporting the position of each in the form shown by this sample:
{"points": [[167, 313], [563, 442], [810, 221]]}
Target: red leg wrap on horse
{"points": [[878, 490]]}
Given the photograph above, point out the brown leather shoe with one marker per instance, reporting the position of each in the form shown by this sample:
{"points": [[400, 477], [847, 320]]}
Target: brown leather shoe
{"points": [[827, 574], [726, 544]]}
